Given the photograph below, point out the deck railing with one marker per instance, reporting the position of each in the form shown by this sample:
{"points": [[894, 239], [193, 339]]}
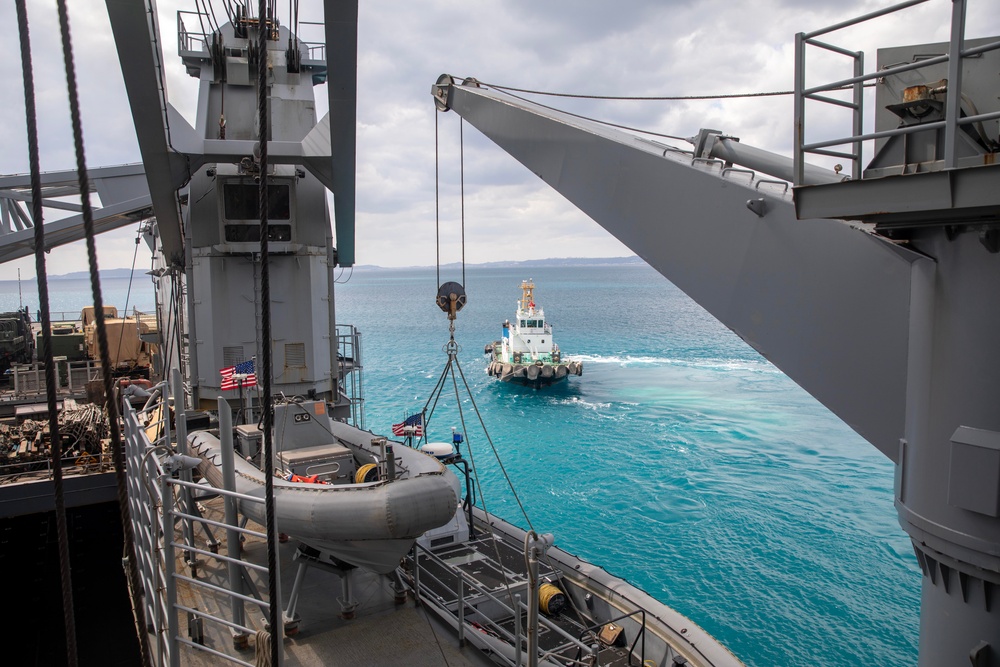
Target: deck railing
{"points": [[161, 498], [956, 53], [468, 591]]}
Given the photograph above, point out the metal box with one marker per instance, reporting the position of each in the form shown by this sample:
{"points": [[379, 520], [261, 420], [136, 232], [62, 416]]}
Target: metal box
{"points": [[249, 440], [333, 462]]}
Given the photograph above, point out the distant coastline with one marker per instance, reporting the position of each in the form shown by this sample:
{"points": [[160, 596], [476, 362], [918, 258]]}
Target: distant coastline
{"points": [[84, 275], [632, 260]]}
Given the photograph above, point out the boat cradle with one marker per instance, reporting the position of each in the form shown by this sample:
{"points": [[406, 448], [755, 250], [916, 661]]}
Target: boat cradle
{"points": [[369, 524]]}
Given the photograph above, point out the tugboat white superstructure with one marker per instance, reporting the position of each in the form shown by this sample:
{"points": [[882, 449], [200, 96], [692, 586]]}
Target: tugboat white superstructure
{"points": [[527, 353]]}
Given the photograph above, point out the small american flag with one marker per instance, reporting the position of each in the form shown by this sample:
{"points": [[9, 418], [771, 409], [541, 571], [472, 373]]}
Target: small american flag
{"points": [[414, 424], [234, 375]]}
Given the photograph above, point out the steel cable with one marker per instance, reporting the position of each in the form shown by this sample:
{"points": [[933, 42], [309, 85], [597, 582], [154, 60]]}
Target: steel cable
{"points": [[55, 439], [102, 335], [265, 315]]}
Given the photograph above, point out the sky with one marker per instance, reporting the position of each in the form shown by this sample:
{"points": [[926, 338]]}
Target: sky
{"points": [[595, 47]]}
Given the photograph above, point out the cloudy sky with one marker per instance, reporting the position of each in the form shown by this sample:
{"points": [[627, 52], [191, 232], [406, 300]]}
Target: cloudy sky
{"points": [[622, 48]]}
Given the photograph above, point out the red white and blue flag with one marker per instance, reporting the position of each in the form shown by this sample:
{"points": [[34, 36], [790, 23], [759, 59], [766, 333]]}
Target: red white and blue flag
{"points": [[240, 374], [412, 425]]}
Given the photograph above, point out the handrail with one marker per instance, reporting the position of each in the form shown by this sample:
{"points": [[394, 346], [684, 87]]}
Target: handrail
{"points": [[956, 53], [460, 600], [153, 494]]}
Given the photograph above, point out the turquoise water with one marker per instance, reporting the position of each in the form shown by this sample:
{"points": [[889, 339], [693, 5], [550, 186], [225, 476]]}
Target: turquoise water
{"points": [[67, 297], [681, 460]]}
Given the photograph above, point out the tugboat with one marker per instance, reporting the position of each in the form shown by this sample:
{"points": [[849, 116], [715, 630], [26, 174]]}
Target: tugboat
{"points": [[527, 354]]}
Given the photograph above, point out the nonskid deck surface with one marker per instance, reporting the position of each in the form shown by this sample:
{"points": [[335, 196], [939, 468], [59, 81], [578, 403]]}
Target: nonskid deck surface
{"points": [[382, 632]]}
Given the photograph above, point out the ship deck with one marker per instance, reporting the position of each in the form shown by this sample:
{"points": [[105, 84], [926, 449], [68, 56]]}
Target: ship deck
{"points": [[387, 629], [383, 631]]}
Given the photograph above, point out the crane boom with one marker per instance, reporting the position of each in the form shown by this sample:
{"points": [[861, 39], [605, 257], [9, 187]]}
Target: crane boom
{"points": [[798, 291]]}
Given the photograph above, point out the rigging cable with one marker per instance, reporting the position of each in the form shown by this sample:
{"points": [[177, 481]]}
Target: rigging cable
{"points": [[437, 198], [663, 98], [132, 572], [461, 172], [128, 294], [62, 533], [274, 600], [200, 14]]}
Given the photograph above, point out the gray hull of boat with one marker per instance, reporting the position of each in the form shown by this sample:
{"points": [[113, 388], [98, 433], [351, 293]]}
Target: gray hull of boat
{"points": [[370, 525]]}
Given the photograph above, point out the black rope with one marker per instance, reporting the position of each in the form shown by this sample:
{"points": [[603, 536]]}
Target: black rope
{"points": [[658, 98], [55, 439], [664, 98], [449, 368], [596, 120], [461, 164], [102, 336], [437, 199], [128, 295], [265, 314], [645, 98]]}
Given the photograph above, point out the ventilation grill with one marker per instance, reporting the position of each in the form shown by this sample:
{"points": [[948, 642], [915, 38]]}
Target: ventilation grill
{"points": [[232, 355], [295, 355]]}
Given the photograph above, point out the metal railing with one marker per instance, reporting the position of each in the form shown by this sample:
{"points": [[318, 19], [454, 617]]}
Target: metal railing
{"points": [[956, 53], [191, 41], [72, 377], [353, 387], [41, 468], [469, 592], [160, 498]]}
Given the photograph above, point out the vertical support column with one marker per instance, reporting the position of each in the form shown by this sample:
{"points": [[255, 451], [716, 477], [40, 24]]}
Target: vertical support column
{"points": [[798, 117], [416, 574], [180, 412], [169, 564], [859, 114], [517, 630], [953, 104], [232, 520], [461, 609]]}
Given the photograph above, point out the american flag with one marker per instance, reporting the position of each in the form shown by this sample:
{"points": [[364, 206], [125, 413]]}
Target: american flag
{"points": [[231, 376], [415, 422]]}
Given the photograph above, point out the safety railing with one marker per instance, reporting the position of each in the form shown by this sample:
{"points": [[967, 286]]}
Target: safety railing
{"points": [[160, 498], [41, 468], [72, 376], [188, 40], [315, 50], [856, 84], [352, 371], [468, 592]]}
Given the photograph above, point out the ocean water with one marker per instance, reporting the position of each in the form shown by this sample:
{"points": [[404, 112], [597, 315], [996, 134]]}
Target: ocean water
{"points": [[681, 460], [68, 296]]}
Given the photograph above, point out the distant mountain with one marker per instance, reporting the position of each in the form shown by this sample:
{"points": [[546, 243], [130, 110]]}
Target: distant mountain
{"points": [[552, 261], [105, 273]]}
